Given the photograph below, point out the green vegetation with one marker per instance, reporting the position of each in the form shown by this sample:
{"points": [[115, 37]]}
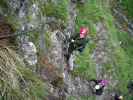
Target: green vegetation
{"points": [[127, 5], [85, 66], [14, 21], [48, 39], [121, 54], [34, 37], [87, 16], [120, 44], [124, 60], [10, 18], [58, 10], [3, 5]]}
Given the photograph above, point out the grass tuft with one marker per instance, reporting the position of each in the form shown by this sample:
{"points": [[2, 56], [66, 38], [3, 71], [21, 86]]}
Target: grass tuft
{"points": [[17, 82]]}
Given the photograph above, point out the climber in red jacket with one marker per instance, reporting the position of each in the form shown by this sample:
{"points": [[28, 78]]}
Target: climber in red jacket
{"points": [[78, 41]]}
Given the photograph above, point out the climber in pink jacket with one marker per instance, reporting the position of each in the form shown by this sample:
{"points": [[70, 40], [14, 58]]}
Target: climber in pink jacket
{"points": [[99, 86]]}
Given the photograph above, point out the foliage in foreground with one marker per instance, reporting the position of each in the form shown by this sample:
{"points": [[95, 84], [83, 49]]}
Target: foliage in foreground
{"points": [[16, 81]]}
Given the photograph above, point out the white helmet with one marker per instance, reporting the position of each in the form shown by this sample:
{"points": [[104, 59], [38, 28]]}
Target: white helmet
{"points": [[121, 97], [97, 87]]}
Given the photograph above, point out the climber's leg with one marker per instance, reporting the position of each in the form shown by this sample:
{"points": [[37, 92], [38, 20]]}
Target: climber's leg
{"points": [[81, 49]]}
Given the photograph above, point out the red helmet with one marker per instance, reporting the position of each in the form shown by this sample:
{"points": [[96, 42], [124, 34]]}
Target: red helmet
{"points": [[83, 32]]}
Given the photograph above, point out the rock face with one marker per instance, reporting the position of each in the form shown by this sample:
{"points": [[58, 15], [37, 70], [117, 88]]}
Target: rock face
{"points": [[101, 57], [71, 20], [29, 52], [78, 87], [71, 62], [100, 53], [56, 53], [28, 15], [54, 61]]}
